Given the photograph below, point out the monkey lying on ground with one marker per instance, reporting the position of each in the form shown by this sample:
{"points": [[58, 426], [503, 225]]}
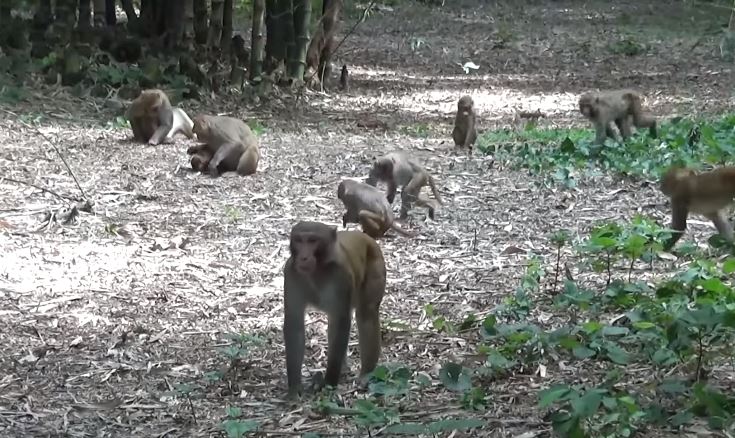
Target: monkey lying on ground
{"points": [[706, 193], [369, 207], [334, 272], [397, 169], [619, 106], [229, 145], [154, 120], [464, 133]]}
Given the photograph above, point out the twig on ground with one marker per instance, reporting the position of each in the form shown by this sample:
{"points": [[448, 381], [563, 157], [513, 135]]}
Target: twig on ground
{"points": [[46, 137]]}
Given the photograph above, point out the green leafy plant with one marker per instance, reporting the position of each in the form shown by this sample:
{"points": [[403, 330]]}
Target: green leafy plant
{"points": [[235, 427]]}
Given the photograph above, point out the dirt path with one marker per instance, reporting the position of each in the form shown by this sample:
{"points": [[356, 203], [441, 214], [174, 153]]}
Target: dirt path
{"points": [[116, 309]]}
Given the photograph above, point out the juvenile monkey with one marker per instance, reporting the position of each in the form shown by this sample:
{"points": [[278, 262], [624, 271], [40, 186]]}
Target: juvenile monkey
{"points": [[154, 120], [229, 145], [619, 106], [397, 169], [344, 78], [706, 193], [464, 133], [334, 272], [369, 207]]}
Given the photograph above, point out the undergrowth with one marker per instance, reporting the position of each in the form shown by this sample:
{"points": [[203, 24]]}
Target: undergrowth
{"points": [[561, 152]]}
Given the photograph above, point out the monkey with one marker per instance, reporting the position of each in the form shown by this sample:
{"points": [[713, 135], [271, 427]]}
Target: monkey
{"points": [[229, 145], [464, 133], [154, 120], [334, 272], [369, 207], [706, 193], [343, 78], [619, 106], [397, 169]]}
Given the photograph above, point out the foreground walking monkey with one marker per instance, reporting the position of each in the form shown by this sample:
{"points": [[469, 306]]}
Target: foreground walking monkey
{"points": [[334, 272], [397, 169], [706, 193], [369, 207], [229, 145], [464, 133], [618, 106], [154, 120]]}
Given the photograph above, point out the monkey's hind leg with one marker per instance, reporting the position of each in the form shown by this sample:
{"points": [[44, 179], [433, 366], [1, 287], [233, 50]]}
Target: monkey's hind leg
{"points": [[410, 193], [372, 223], [367, 315]]}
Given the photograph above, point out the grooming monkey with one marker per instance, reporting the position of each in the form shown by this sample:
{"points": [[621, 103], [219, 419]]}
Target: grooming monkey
{"points": [[618, 106], [154, 120], [464, 133], [334, 272], [229, 146], [397, 169], [368, 206], [706, 193]]}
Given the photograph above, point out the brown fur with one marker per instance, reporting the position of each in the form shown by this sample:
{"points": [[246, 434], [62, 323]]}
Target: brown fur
{"points": [[334, 272], [620, 107]]}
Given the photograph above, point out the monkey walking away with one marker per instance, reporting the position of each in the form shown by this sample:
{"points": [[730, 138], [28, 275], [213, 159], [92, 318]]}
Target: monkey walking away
{"points": [[369, 207], [397, 169], [465, 133], [706, 193], [155, 121], [229, 146], [334, 272], [618, 106]]}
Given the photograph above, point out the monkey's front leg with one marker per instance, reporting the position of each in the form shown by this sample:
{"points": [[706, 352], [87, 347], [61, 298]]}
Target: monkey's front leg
{"points": [[293, 333]]}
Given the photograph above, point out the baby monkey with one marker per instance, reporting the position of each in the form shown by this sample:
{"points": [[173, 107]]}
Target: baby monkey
{"points": [[618, 106], [397, 169], [706, 193]]}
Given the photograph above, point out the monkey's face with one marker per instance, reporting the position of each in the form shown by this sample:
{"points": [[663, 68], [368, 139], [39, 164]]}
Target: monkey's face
{"points": [[200, 128], [310, 246], [465, 105]]}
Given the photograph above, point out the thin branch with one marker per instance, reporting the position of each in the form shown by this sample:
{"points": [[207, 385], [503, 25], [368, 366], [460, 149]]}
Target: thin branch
{"points": [[46, 137], [43, 189]]}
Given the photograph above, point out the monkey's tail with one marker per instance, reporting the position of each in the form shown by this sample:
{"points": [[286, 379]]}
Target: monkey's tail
{"points": [[434, 190]]}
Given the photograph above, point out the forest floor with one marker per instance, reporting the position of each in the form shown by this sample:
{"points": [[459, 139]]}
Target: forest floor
{"points": [[113, 325]]}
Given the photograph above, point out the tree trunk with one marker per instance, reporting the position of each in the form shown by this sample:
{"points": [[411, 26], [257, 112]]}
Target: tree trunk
{"points": [[110, 15], [323, 42], [84, 22], [5, 9], [287, 31], [42, 17], [201, 18], [257, 43], [188, 37], [172, 14], [731, 25], [274, 45], [100, 9], [215, 23], [134, 23], [226, 39], [65, 11], [301, 20], [65, 17]]}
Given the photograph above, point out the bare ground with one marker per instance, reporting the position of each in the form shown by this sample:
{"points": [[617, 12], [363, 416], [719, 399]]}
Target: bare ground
{"points": [[102, 319]]}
